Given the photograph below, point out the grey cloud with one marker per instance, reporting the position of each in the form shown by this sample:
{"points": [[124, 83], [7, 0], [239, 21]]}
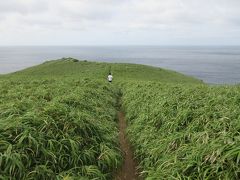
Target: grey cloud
{"points": [[42, 23], [99, 18], [84, 10], [23, 7]]}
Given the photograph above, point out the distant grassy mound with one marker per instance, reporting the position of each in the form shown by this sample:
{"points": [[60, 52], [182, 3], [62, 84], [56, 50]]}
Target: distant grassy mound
{"points": [[68, 67]]}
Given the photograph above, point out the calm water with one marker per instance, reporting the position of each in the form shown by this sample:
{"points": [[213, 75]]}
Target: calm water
{"points": [[211, 64]]}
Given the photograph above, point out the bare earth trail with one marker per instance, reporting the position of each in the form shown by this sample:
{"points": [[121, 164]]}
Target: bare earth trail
{"points": [[128, 171]]}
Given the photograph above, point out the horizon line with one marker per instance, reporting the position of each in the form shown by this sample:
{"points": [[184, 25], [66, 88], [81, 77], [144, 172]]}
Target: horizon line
{"points": [[116, 45]]}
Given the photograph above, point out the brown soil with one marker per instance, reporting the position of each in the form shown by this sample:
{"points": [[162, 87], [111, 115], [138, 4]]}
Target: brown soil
{"points": [[128, 170]]}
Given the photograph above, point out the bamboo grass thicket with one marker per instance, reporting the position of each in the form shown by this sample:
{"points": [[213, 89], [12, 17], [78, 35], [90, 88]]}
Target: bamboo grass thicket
{"points": [[56, 129], [184, 131], [58, 121]]}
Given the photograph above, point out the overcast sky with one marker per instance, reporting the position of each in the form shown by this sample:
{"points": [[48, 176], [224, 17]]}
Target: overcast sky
{"points": [[120, 22]]}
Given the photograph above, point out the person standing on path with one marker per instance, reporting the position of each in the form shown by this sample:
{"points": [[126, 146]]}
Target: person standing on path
{"points": [[110, 77]]}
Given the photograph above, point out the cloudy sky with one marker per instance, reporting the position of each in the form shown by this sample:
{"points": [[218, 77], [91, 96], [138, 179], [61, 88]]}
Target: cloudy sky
{"points": [[120, 22]]}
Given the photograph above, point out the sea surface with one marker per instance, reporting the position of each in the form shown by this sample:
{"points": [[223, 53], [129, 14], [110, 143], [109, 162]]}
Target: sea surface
{"points": [[212, 64]]}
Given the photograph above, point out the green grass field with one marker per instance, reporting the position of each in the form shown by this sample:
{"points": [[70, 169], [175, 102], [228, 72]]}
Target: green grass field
{"points": [[58, 121], [184, 132]]}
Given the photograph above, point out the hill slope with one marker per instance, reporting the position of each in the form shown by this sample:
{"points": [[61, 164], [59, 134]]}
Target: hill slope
{"points": [[58, 120], [68, 67]]}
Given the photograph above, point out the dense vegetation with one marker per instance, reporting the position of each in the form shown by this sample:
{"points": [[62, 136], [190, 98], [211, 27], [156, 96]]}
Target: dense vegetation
{"points": [[182, 132], [57, 128], [58, 121]]}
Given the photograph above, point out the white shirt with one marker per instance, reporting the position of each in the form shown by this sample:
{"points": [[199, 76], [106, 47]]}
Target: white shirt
{"points": [[110, 77]]}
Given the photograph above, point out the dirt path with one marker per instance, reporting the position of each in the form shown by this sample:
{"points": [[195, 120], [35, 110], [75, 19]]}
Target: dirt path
{"points": [[128, 170]]}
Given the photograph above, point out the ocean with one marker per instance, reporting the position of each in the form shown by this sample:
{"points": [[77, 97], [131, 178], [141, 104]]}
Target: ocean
{"points": [[212, 64]]}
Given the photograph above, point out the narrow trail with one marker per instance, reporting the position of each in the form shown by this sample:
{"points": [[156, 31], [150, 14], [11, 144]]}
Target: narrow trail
{"points": [[128, 171]]}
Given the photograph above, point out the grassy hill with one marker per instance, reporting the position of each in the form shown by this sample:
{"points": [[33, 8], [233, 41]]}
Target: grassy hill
{"points": [[58, 121], [68, 67]]}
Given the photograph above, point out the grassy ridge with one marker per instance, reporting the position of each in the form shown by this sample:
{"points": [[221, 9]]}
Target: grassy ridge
{"points": [[182, 132]]}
